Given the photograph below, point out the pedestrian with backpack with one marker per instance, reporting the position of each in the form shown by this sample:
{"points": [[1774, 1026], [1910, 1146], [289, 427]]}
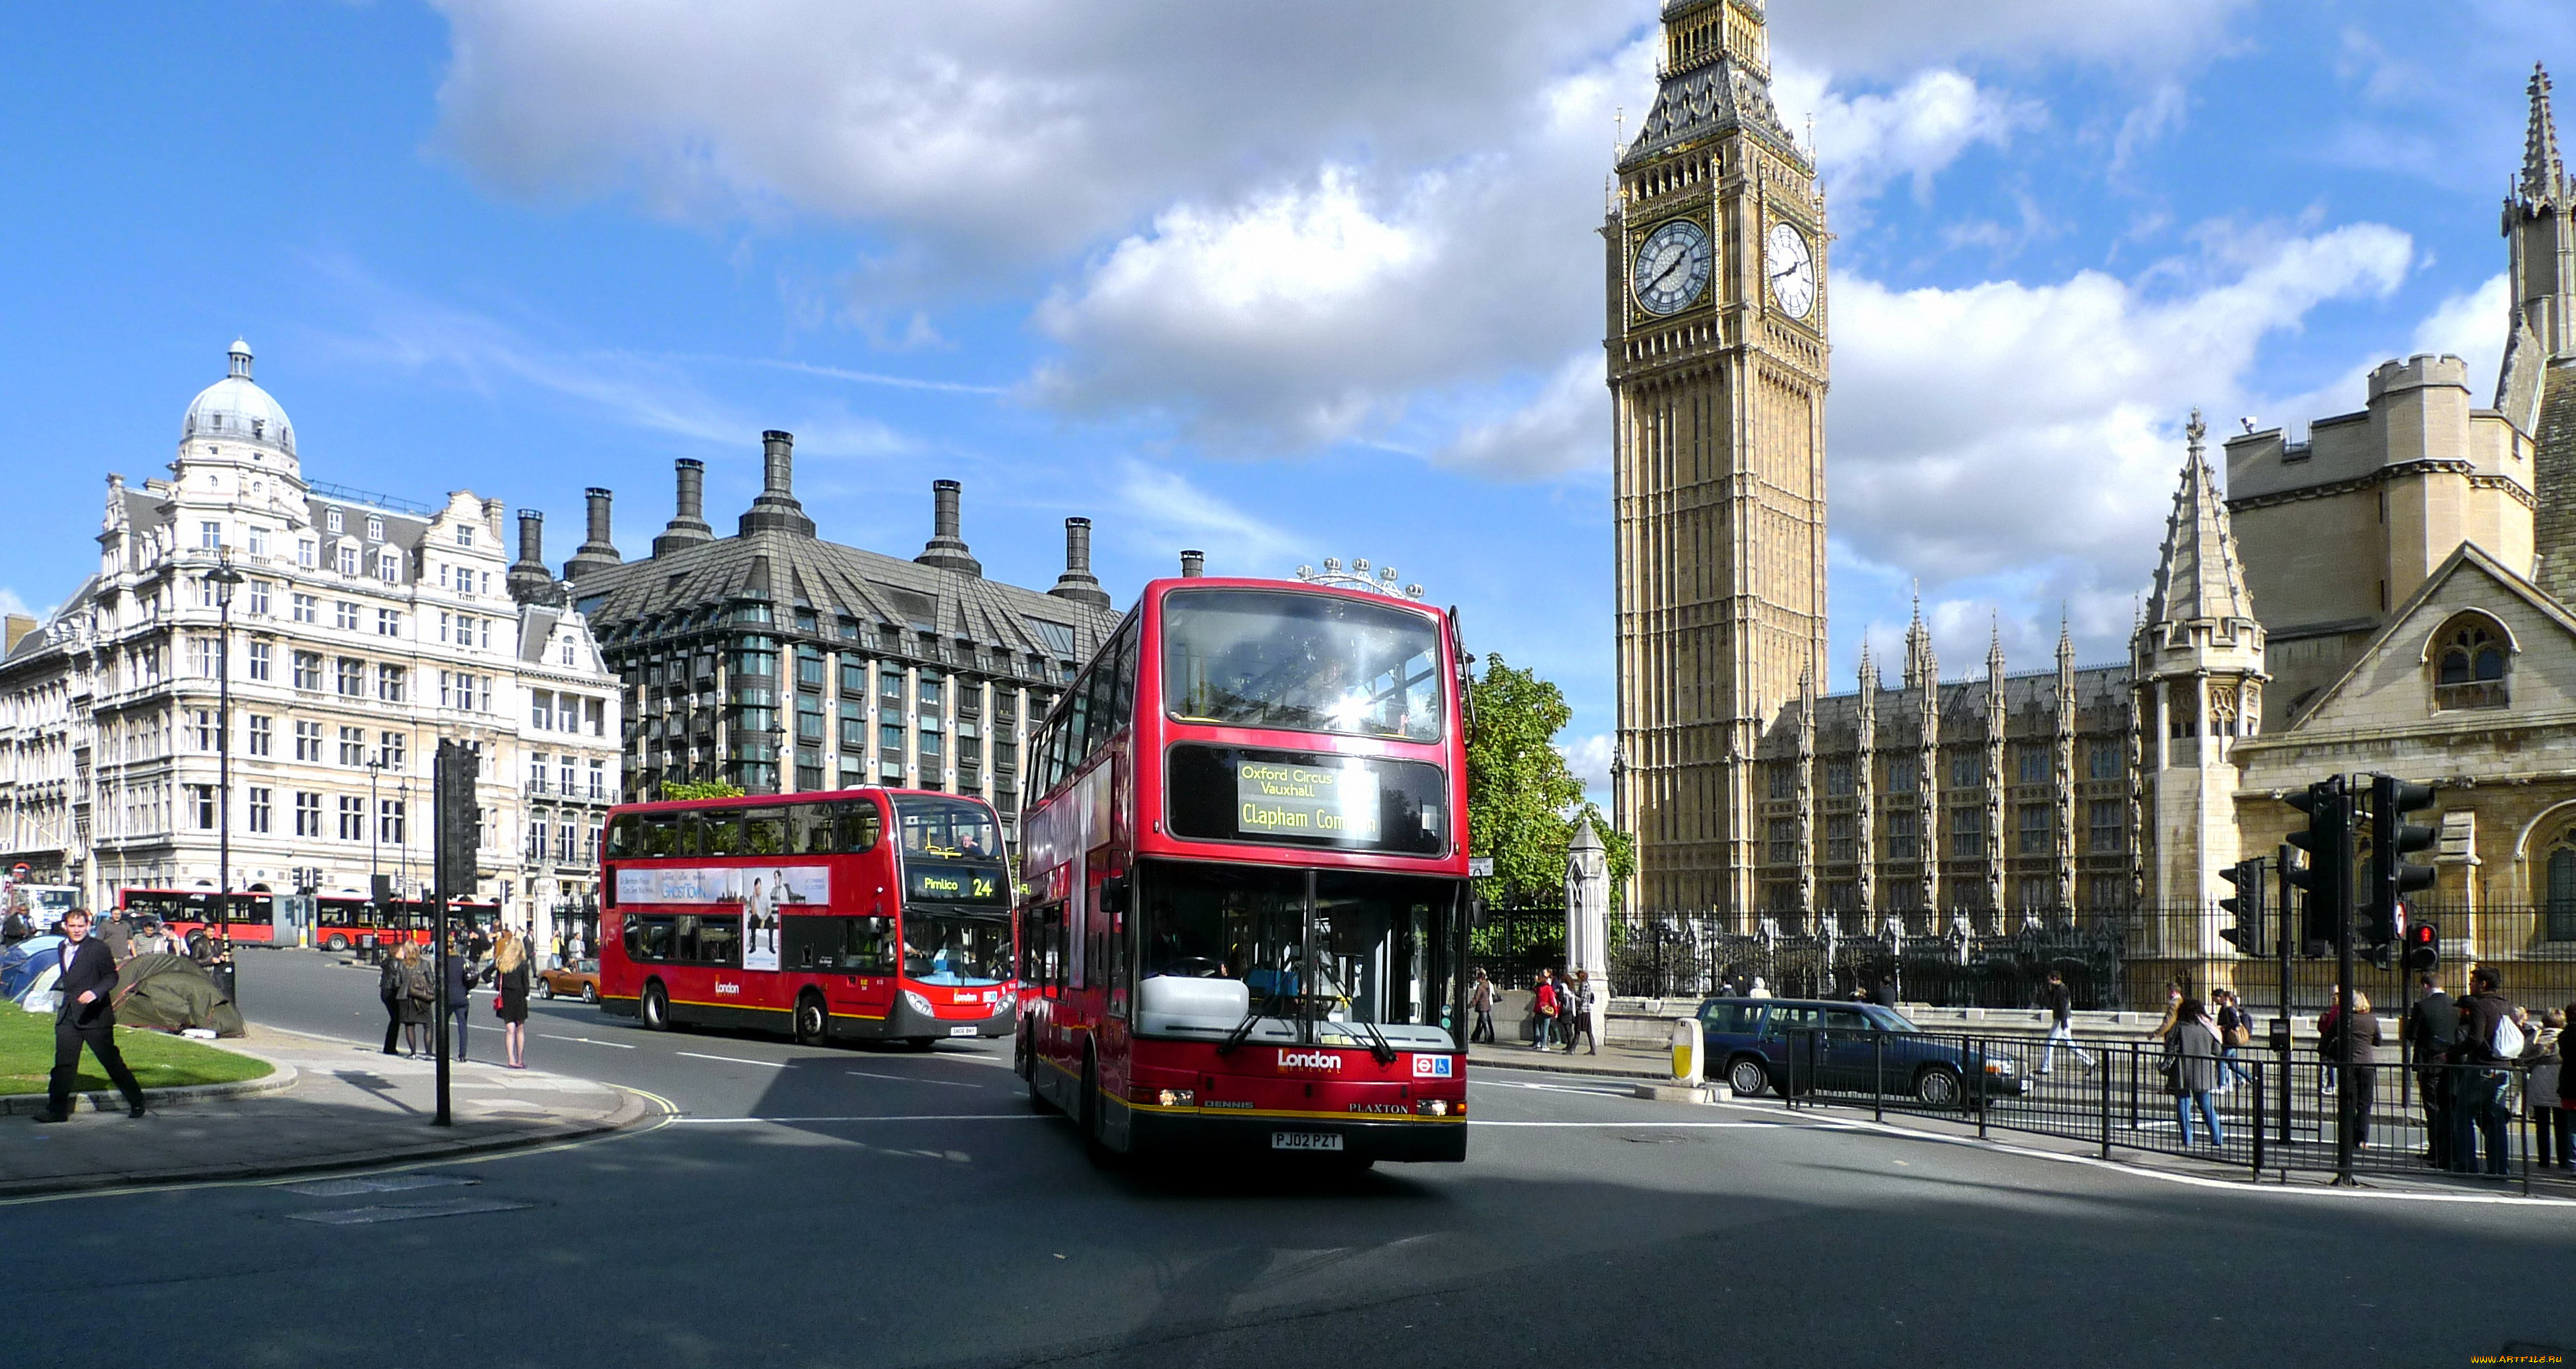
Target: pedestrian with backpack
{"points": [[2489, 1044], [1543, 1013]]}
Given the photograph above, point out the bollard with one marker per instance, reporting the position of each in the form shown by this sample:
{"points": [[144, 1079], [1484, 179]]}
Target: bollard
{"points": [[1690, 1064]]}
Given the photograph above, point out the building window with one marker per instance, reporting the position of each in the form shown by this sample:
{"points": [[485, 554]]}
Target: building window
{"points": [[2109, 821], [332, 521], [1839, 843], [258, 537], [353, 818], [890, 687], [202, 651], [2103, 760], [344, 616], [1967, 833], [890, 741], [308, 741], [2104, 891], [2469, 667], [304, 552], [1967, 770], [375, 528], [2560, 900], [201, 727], [353, 746], [210, 536], [2034, 829], [260, 818], [201, 802], [537, 773], [464, 534], [541, 710], [390, 750], [1838, 778], [389, 684], [308, 670], [2034, 765], [388, 622], [307, 609], [1904, 830], [2037, 892], [260, 738], [389, 821], [260, 655], [352, 676], [1900, 776], [308, 814], [599, 779], [259, 598], [348, 558], [1783, 782]]}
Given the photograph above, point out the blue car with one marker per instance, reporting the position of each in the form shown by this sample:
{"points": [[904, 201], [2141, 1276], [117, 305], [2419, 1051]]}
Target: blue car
{"points": [[1804, 1045]]}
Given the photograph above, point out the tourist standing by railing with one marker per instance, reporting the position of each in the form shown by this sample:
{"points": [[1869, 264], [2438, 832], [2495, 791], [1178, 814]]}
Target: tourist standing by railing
{"points": [[2191, 1068]]}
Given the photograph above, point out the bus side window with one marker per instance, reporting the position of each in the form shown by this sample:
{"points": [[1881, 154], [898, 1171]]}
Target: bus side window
{"points": [[1104, 715], [764, 831], [720, 831], [1122, 705], [626, 835], [809, 829], [856, 827]]}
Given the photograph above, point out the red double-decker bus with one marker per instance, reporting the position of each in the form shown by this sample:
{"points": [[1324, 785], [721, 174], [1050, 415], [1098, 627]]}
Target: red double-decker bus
{"points": [[250, 917], [1243, 894], [865, 914]]}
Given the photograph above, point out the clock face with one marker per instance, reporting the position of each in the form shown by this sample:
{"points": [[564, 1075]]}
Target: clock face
{"points": [[1672, 267], [1792, 269]]}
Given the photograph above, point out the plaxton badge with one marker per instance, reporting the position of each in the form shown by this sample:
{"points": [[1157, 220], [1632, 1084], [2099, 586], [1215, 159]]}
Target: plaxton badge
{"points": [[1309, 1060], [1396, 1108]]}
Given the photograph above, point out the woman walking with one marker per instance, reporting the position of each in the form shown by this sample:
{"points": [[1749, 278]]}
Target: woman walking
{"points": [[394, 987], [510, 961], [1481, 1000], [2543, 1092], [420, 997], [2192, 1069]]}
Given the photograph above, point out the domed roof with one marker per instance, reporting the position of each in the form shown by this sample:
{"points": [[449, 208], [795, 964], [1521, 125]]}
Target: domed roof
{"points": [[236, 410]]}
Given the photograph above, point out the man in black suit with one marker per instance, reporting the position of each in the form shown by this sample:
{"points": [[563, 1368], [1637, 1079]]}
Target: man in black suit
{"points": [[87, 1016]]}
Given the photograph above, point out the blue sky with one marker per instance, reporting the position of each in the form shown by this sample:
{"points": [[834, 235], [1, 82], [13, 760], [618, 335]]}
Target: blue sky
{"points": [[1280, 282]]}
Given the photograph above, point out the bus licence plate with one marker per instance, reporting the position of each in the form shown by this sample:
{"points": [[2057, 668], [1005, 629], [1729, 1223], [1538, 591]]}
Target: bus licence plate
{"points": [[961, 1031], [1305, 1140]]}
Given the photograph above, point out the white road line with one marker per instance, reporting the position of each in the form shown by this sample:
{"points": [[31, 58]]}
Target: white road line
{"points": [[733, 1060], [908, 1079], [586, 1041], [917, 1117], [1621, 1126]]}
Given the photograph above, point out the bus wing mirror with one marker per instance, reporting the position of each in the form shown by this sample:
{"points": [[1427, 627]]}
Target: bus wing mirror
{"points": [[1113, 894]]}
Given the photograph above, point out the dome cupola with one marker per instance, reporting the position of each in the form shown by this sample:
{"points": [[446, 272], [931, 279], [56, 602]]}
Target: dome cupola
{"points": [[235, 413]]}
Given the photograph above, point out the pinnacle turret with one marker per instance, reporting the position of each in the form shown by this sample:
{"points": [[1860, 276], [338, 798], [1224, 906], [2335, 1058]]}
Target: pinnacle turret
{"points": [[2544, 173], [2198, 575]]}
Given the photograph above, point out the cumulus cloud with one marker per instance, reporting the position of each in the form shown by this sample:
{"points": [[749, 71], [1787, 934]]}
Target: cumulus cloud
{"points": [[1564, 427], [2002, 423], [1589, 759], [1884, 36], [1913, 132], [1166, 509]]}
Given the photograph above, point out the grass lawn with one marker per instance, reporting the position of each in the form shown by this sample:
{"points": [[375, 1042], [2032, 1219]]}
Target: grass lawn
{"points": [[160, 1061]]}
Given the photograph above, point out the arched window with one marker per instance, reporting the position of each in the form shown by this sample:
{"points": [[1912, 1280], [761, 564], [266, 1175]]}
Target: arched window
{"points": [[2469, 664], [2559, 889]]}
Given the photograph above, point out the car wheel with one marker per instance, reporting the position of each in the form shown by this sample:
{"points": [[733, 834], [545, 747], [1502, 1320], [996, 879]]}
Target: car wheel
{"points": [[1938, 1087], [812, 1023], [589, 993], [1750, 1078], [337, 943], [546, 989], [655, 1006]]}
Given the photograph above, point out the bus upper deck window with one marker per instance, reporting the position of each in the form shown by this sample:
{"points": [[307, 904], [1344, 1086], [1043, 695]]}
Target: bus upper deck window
{"points": [[764, 831], [720, 832], [809, 829], [856, 827]]}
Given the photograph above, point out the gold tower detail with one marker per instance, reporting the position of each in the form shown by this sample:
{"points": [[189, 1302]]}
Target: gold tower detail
{"points": [[1717, 362]]}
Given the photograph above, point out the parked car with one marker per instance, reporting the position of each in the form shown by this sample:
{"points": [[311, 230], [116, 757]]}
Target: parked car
{"points": [[1785, 1045], [579, 977]]}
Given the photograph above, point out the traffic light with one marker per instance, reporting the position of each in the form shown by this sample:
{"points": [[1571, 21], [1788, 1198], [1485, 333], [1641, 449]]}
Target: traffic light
{"points": [[2423, 947], [460, 822], [2392, 876], [2247, 907], [2327, 877]]}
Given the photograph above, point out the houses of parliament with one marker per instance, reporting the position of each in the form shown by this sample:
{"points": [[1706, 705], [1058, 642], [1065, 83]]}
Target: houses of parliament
{"points": [[2390, 592]]}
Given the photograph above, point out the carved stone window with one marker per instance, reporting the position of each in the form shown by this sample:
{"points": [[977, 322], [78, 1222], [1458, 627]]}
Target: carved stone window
{"points": [[2558, 888], [2470, 663]]}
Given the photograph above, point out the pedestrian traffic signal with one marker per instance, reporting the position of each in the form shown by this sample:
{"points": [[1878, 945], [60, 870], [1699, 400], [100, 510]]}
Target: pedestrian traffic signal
{"points": [[2423, 947], [2392, 876], [2246, 906], [2327, 877]]}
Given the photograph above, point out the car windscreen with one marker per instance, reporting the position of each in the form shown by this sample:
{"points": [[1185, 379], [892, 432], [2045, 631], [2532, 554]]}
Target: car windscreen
{"points": [[1889, 1019]]}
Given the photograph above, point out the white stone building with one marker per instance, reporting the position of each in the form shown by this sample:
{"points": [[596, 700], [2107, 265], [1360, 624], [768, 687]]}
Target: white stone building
{"points": [[364, 630]]}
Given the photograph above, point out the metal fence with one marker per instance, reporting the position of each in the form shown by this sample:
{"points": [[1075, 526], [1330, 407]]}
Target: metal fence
{"points": [[2110, 960], [2272, 1114]]}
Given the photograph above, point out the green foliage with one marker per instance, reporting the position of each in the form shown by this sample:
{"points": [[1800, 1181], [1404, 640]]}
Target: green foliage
{"points": [[709, 789], [1522, 798]]}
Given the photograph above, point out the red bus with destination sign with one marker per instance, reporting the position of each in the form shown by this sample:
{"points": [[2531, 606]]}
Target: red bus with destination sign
{"points": [[862, 914], [1243, 890]]}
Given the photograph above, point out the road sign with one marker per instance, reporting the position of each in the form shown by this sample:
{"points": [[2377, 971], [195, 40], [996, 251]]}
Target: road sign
{"points": [[1478, 867], [21, 870]]}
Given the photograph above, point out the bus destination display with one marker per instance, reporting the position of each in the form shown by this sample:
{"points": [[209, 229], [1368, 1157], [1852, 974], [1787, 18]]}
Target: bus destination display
{"points": [[943, 882], [1281, 798]]}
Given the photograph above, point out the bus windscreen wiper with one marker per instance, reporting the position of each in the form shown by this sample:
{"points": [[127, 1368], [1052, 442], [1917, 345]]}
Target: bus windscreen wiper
{"points": [[1243, 1030]]}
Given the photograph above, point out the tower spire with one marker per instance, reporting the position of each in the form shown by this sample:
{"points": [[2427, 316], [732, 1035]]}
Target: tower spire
{"points": [[2198, 575], [2544, 173]]}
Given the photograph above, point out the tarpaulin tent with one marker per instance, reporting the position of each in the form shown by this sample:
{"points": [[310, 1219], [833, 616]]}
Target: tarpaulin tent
{"points": [[170, 992]]}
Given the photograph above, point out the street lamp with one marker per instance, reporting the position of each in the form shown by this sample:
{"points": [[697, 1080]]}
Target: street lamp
{"points": [[223, 577], [375, 829]]}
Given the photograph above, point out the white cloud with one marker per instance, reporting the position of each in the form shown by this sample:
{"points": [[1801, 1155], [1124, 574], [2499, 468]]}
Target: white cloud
{"points": [[2471, 326], [1589, 759], [1164, 509], [10, 603], [1564, 427], [2005, 425], [1913, 132], [1884, 36]]}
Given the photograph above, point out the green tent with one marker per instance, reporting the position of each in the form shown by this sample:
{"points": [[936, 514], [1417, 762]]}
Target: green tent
{"points": [[170, 992]]}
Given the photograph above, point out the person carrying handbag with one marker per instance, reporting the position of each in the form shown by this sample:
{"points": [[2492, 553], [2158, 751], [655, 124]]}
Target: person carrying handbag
{"points": [[420, 999], [2191, 1068], [1543, 1012]]}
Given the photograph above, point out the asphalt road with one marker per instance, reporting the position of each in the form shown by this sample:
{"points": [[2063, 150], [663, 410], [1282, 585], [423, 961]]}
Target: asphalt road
{"points": [[847, 1207]]}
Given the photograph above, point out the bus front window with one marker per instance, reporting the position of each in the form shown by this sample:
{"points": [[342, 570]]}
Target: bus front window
{"points": [[961, 949], [1377, 950]]}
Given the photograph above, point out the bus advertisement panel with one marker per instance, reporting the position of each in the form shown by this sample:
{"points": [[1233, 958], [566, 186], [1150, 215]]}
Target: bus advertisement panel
{"points": [[1243, 889], [799, 914]]}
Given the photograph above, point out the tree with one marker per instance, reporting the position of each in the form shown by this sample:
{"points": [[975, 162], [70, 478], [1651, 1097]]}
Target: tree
{"points": [[1522, 798], [708, 789]]}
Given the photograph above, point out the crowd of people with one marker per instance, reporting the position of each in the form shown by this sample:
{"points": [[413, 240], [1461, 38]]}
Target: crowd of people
{"points": [[408, 985], [1561, 1011]]}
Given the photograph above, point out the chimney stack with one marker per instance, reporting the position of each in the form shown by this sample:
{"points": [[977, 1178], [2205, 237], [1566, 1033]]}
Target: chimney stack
{"points": [[529, 580], [1077, 583], [688, 525], [776, 508], [597, 552], [1193, 564], [947, 549]]}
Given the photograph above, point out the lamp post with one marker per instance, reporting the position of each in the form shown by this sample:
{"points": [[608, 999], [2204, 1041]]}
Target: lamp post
{"points": [[223, 577], [375, 830]]}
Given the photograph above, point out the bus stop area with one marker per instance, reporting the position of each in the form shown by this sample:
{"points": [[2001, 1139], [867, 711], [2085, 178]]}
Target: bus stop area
{"points": [[332, 1104]]}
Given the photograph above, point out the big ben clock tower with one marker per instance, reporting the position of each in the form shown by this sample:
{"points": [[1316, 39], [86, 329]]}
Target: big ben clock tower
{"points": [[1717, 353]]}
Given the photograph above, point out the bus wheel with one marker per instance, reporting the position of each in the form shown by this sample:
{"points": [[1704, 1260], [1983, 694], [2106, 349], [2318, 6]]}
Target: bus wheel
{"points": [[656, 1007], [920, 1043], [812, 1025], [337, 943], [1093, 1148]]}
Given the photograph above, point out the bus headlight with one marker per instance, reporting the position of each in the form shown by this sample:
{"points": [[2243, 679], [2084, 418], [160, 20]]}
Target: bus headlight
{"points": [[1179, 1098], [916, 1002], [1435, 1107]]}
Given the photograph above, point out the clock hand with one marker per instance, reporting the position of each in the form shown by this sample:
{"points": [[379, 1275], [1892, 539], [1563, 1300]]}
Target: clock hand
{"points": [[1678, 262]]}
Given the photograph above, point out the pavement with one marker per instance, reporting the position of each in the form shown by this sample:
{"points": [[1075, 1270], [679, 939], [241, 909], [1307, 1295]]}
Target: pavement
{"points": [[333, 1104]]}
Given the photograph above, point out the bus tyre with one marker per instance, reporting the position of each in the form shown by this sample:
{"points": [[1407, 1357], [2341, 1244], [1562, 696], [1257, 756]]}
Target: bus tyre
{"points": [[812, 1025], [655, 1006], [920, 1043], [337, 942], [1093, 1148]]}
